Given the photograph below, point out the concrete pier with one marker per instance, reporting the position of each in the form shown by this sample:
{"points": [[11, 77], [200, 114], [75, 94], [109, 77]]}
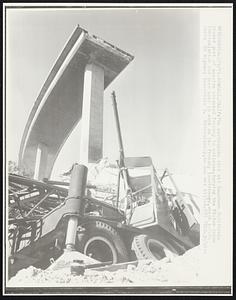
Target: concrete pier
{"points": [[41, 162], [91, 144]]}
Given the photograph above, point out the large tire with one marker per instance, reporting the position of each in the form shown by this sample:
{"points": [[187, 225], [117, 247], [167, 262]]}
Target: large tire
{"points": [[150, 248], [102, 242]]}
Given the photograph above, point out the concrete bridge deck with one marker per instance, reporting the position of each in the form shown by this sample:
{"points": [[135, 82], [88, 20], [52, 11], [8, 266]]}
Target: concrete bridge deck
{"points": [[74, 88]]}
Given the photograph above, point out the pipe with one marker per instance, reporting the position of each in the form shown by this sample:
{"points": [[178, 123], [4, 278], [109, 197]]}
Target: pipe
{"points": [[75, 202], [116, 115]]}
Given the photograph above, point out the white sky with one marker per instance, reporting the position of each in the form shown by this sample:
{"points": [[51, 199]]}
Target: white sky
{"points": [[157, 94]]}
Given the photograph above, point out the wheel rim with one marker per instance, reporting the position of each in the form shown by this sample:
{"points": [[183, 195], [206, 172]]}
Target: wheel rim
{"points": [[159, 250], [100, 249]]}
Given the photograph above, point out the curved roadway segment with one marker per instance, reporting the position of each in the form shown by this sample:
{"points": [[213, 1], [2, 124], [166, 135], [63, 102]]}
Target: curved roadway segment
{"points": [[58, 108]]}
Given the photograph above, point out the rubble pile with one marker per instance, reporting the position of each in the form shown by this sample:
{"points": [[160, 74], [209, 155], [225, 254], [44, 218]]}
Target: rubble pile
{"points": [[180, 270]]}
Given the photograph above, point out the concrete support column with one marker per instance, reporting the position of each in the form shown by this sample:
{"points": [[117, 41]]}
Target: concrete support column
{"points": [[91, 147], [40, 162]]}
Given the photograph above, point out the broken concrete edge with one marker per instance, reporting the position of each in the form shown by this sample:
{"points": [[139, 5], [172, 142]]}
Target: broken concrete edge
{"points": [[110, 47]]}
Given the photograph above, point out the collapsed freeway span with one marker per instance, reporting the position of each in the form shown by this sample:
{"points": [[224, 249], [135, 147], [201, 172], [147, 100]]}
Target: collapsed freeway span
{"points": [[73, 92]]}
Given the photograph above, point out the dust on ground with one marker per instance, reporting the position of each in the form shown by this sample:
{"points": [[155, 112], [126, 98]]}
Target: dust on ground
{"points": [[180, 270]]}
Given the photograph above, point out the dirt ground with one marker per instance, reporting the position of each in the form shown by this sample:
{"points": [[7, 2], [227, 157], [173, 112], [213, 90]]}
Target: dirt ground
{"points": [[180, 270]]}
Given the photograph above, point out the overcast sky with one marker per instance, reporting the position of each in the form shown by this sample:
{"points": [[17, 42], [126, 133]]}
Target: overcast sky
{"points": [[157, 94]]}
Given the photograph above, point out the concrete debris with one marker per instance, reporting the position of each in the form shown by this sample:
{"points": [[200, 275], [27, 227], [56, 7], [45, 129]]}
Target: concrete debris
{"points": [[180, 270]]}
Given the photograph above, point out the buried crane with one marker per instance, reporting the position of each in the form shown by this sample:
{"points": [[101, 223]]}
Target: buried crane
{"points": [[147, 221]]}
